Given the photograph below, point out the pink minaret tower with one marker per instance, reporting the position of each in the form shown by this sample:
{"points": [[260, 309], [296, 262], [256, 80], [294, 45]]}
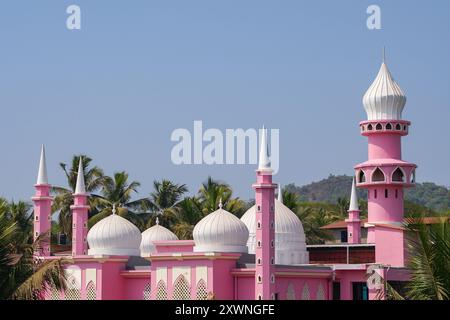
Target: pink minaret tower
{"points": [[265, 225], [385, 174], [353, 221], [42, 207], [79, 215]]}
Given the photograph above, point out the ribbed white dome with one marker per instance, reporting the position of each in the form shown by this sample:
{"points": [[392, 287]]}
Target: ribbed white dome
{"points": [[114, 235], [384, 100], [220, 231], [155, 233], [290, 245]]}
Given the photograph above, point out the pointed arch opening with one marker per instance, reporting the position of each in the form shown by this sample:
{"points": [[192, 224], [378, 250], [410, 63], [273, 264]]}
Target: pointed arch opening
{"points": [[320, 295], [378, 175], [398, 127], [202, 293], [161, 290], [398, 175], [389, 126], [91, 291], [413, 176], [379, 126], [361, 176], [181, 290], [369, 127], [290, 294], [306, 295]]}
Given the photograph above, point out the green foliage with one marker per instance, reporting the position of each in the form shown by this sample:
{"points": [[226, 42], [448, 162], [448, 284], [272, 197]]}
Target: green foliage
{"points": [[22, 276]]}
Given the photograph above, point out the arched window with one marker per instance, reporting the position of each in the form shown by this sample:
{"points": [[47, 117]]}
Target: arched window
{"points": [[259, 225], [91, 292], [361, 176], [201, 294], [259, 279], [305, 292], [398, 127], [320, 295], [379, 126], [369, 127], [146, 294], [181, 290], [272, 278], [389, 126], [404, 128], [161, 290], [378, 175], [398, 175], [259, 261], [413, 176], [290, 294]]}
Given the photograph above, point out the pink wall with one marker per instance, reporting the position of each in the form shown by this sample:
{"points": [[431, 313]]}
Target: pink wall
{"points": [[389, 246]]}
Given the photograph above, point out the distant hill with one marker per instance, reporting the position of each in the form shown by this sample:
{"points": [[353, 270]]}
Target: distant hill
{"points": [[334, 187]]}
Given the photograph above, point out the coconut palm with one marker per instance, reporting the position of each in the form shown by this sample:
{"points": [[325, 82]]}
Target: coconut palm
{"points": [[93, 177], [118, 191], [22, 275], [164, 202], [188, 214], [429, 256], [212, 192], [290, 199], [312, 219]]}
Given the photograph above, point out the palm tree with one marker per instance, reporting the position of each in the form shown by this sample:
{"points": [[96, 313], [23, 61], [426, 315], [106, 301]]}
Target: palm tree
{"points": [[117, 191], [212, 192], [189, 213], [429, 256], [164, 202], [93, 177], [290, 199], [22, 275], [312, 219]]}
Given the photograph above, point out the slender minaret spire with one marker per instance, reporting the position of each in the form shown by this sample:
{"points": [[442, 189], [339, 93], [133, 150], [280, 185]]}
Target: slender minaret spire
{"points": [[264, 161], [79, 214], [42, 207], [42, 173], [353, 198], [353, 221], [280, 194], [80, 187], [265, 220]]}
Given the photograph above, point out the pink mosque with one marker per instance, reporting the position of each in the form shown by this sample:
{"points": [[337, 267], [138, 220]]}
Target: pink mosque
{"points": [[263, 255]]}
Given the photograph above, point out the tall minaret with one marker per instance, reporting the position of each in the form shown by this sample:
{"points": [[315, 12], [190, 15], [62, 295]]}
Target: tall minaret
{"points": [[385, 174], [80, 210], [353, 221], [42, 207], [265, 225]]}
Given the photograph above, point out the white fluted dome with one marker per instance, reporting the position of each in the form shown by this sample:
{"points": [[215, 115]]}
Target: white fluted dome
{"points": [[155, 233], [290, 245], [384, 100], [220, 231], [114, 235]]}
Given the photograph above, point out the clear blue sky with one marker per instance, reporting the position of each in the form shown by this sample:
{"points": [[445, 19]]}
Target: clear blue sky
{"points": [[137, 70]]}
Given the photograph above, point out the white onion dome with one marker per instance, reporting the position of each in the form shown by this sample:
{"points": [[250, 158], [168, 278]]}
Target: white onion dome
{"points": [[220, 231], [155, 233], [114, 235], [290, 243], [384, 100]]}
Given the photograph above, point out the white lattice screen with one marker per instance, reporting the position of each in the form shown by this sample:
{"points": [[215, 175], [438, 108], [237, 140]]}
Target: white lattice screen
{"points": [[181, 290], [72, 294], [305, 292], [54, 294], [91, 291], [320, 293], [290, 295], [147, 291], [202, 294], [161, 290]]}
